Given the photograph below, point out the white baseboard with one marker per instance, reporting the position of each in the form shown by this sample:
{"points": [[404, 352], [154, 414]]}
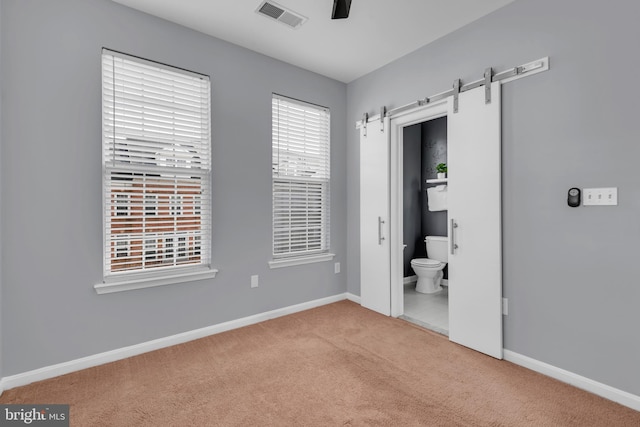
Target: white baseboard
{"points": [[624, 398], [354, 298], [413, 279], [409, 279], [52, 371], [603, 390]]}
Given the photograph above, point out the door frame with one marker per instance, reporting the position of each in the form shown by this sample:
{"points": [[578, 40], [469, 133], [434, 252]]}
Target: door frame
{"points": [[397, 124]]}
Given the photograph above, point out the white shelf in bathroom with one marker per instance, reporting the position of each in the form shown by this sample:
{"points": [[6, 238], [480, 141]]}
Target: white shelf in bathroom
{"points": [[437, 181]]}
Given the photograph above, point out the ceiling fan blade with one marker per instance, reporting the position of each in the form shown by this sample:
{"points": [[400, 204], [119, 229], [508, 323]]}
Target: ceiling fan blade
{"points": [[341, 9]]}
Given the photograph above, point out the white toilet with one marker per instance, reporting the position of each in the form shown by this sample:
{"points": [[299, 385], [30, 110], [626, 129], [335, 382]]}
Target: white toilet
{"points": [[429, 270]]}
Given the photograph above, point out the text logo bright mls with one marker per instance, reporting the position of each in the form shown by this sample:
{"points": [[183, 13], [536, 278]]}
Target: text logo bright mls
{"points": [[36, 415]]}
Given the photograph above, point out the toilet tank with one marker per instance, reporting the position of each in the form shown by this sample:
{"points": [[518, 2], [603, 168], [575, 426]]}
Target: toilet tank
{"points": [[437, 248]]}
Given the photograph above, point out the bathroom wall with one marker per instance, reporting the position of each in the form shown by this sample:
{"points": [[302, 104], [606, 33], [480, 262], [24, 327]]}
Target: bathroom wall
{"points": [[434, 151], [425, 145], [412, 196]]}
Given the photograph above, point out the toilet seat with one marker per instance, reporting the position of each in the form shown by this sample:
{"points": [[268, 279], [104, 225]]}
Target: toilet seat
{"points": [[426, 262]]}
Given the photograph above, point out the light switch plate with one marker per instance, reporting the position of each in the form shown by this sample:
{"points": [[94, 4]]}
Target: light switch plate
{"points": [[254, 281], [600, 196]]}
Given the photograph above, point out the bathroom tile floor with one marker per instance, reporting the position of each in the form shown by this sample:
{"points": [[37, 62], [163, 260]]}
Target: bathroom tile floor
{"points": [[427, 310]]}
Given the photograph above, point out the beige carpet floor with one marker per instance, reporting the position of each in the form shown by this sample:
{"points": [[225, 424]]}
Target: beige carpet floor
{"points": [[336, 365]]}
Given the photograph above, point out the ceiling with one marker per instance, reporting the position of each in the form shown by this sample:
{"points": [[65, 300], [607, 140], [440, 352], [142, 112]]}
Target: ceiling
{"points": [[376, 33]]}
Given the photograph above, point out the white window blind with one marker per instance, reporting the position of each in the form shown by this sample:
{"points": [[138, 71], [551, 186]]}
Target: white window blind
{"points": [[156, 167], [301, 174]]}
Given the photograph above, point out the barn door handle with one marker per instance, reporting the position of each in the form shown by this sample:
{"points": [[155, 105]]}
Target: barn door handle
{"points": [[452, 240], [380, 222]]}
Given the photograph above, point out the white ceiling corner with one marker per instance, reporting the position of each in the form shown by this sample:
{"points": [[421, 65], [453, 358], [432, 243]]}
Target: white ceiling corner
{"points": [[376, 33]]}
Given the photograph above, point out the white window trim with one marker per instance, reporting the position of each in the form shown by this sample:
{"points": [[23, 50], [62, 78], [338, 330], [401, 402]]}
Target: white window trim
{"points": [[151, 280], [291, 261]]}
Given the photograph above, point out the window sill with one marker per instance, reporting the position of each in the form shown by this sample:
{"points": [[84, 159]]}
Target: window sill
{"points": [[128, 283], [289, 262]]}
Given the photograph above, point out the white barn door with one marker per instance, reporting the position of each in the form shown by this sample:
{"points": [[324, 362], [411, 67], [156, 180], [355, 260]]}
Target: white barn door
{"points": [[475, 252], [375, 255]]}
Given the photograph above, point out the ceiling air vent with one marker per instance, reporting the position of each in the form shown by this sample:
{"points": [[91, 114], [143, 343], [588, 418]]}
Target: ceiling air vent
{"points": [[281, 14]]}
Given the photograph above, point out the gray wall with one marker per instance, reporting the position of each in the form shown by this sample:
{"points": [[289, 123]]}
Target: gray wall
{"points": [[51, 183], [412, 197], [571, 274]]}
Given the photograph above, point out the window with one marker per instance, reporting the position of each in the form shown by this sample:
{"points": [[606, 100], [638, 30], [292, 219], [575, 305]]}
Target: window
{"points": [[182, 247], [176, 205], [157, 169], [122, 205], [150, 250], [122, 249], [150, 207], [300, 173], [168, 249]]}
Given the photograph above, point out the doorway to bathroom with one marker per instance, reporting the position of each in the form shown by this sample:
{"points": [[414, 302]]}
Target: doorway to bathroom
{"points": [[424, 214], [473, 220]]}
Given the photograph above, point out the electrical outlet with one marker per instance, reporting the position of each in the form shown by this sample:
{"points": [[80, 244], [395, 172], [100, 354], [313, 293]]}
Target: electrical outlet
{"points": [[336, 268], [505, 306], [600, 196], [254, 281]]}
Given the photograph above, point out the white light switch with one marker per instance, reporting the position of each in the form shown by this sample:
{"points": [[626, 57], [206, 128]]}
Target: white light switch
{"points": [[254, 281], [600, 196]]}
